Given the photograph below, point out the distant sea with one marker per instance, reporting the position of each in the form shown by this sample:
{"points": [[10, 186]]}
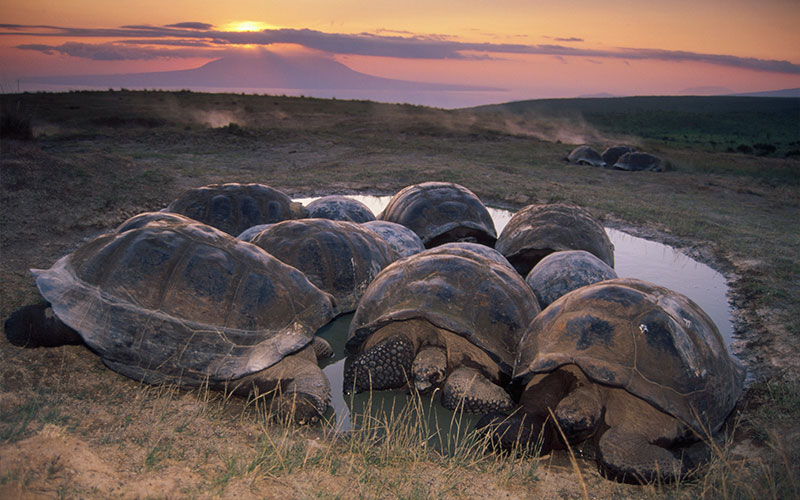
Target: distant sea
{"points": [[448, 99]]}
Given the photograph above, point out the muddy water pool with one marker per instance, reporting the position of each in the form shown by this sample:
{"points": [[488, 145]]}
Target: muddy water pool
{"points": [[634, 258]]}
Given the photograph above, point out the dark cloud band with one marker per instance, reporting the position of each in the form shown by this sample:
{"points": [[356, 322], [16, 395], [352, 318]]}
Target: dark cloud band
{"points": [[197, 35]]}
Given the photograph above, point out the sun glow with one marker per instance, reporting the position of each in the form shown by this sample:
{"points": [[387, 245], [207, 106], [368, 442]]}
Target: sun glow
{"points": [[247, 26]]}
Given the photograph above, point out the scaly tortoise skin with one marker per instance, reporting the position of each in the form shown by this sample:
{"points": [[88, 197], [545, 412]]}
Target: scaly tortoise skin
{"points": [[448, 318], [339, 257], [234, 207], [441, 212], [640, 369], [538, 230], [177, 301]]}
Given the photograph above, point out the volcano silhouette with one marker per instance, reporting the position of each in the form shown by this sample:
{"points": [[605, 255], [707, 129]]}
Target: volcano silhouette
{"points": [[264, 70]]}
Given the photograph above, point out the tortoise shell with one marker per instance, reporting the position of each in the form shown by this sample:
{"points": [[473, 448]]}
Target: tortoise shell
{"points": [[180, 301], [145, 218], [404, 241], [612, 154], [585, 155], [339, 257], [653, 342], [235, 207], [441, 212], [250, 233], [561, 272], [638, 161], [470, 250], [482, 299], [337, 207], [538, 230]]}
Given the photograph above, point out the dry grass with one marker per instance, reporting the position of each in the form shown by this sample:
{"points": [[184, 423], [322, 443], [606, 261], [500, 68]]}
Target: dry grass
{"points": [[71, 428], [78, 430]]}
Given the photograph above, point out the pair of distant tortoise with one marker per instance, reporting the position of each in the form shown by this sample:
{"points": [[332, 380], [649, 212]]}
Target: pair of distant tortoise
{"points": [[169, 298], [616, 157]]}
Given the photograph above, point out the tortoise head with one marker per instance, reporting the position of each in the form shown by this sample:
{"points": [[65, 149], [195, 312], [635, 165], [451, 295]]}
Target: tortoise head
{"points": [[429, 368]]}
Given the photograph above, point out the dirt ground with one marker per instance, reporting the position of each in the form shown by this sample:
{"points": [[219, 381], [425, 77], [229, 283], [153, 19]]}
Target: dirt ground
{"points": [[71, 428]]}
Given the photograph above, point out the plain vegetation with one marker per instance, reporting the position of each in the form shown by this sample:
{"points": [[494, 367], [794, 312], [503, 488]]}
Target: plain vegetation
{"points": [[76, 164]]}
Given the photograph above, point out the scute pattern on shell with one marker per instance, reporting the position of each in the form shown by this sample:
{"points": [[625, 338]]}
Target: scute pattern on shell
{"points": [[336, 207], [564, 271], [145, 218], [183, 302], [441, 212], [404, 241], [585, 155], [471, 295], [636, 161], [653, 342], [234, 207], [612, 154], [470, 251], [538, 230], [339, 257]]}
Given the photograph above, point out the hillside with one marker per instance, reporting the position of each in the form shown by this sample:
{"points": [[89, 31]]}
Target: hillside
{"points": [[764, 125], [74, 165]]}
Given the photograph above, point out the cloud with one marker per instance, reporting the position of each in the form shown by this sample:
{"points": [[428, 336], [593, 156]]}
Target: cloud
{"points": [[197, 35], [565, 40], [112, 51], [192, 26], [171, 43]]}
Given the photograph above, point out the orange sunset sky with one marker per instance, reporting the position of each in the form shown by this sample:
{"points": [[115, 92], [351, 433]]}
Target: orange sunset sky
{"points": [[510, 49]]}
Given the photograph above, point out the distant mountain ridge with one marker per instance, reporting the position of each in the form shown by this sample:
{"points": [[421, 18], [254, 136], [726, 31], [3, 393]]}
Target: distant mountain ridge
{"points": [[264, 70], [773, 93]]}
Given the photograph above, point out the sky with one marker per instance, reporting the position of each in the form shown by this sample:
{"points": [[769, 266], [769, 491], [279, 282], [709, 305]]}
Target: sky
{"points": [[511, 49]]}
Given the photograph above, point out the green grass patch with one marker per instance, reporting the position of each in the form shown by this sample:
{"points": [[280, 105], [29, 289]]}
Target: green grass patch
{"points": [[747, 125]]}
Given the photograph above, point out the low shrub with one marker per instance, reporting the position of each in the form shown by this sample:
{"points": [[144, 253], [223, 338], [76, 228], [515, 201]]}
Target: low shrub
{"points": [[15, 124]]}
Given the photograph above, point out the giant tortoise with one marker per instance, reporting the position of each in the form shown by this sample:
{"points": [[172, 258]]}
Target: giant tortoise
{"points": [[640, 369], [337, 207], [538, 230], [178, 301], [404, 241], [339, 257], [636, 161], [561, 272], [441, 212], [448, 318], [612, 154], [585, 155], [234, 207]]}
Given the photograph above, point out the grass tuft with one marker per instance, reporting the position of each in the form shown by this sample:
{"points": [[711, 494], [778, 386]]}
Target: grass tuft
{"points": [[15, 123]]}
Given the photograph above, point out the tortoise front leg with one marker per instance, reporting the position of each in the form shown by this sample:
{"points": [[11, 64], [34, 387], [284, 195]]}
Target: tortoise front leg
{"points": [[581, 409], [638, 445], [629, 457], [296, 387], [386, 365], [469, 389]]}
